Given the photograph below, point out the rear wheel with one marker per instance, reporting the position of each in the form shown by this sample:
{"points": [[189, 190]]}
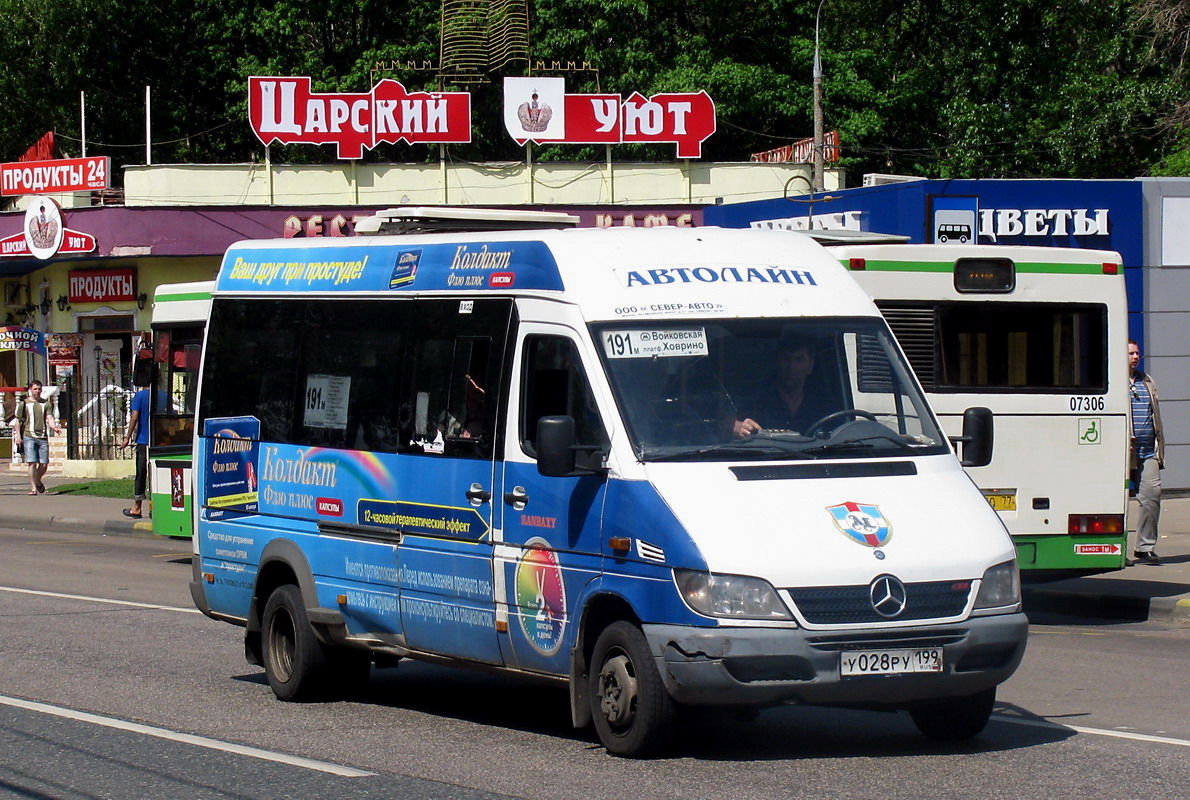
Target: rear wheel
{"points": [[633, 712], [956, 717], [294, 661]]}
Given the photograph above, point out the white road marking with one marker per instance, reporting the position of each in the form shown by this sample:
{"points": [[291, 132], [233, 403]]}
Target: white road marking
{"points": [[186, 738], [60, 595], [1138, 737]]}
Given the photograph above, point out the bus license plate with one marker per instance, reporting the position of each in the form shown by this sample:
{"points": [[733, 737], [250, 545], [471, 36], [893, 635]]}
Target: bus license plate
{"points": [[890, 662], [1001, 499]]}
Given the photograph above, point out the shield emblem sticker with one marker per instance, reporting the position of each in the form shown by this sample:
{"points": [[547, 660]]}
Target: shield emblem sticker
{"points": [[862, 523]]}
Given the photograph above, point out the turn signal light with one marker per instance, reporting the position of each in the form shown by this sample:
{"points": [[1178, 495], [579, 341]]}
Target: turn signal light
{"points": [[1095, 523], [620, 544]]}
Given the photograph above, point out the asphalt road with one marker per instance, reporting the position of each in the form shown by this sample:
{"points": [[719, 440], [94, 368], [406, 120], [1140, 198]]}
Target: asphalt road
{"points": [[1098, 710]]}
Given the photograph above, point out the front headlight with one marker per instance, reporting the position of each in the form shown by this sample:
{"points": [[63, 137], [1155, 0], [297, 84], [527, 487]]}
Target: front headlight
{"points": [[729, 595], [1000, 587]]}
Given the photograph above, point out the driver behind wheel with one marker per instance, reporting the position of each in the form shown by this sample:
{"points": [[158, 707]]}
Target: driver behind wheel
{"points": [[788, 401]]}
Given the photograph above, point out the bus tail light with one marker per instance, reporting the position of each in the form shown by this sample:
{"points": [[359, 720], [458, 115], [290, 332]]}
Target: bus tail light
{"points": [[1111, 269], [1096, 523], [859, 263]]}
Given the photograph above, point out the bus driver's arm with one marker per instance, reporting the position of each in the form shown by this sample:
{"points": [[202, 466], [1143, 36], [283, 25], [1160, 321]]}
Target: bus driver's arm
{"points": [[743, 428]]}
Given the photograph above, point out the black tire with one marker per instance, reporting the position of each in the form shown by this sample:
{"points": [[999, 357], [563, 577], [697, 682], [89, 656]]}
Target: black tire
{"points": [[633, 713], [956, 717], [294, 660]]}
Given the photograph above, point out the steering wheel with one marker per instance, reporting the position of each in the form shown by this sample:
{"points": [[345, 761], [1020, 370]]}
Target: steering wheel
{"points": [[823, 424]]}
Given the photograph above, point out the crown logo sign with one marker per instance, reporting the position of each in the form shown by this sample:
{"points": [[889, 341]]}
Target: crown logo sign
{"points": [[534, 116]]}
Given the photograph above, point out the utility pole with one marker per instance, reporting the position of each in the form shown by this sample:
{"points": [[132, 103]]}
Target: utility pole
{"points": [[818, 143]]}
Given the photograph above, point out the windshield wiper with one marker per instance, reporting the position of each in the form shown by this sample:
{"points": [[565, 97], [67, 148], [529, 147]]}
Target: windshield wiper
{"points": [[861, 443]]}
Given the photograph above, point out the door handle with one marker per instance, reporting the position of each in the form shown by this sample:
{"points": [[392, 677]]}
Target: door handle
{"points": [[477, 495], [517, 498]]}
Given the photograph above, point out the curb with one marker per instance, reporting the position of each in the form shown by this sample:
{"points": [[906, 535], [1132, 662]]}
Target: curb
{"points": [[140, 529]]}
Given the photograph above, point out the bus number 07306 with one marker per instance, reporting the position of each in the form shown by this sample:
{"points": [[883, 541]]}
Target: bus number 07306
{"points": [[1086, 404]]}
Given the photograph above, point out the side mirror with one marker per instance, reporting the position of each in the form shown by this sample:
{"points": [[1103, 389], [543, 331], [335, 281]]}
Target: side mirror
{"points": [[977, 438], [555, 446]]}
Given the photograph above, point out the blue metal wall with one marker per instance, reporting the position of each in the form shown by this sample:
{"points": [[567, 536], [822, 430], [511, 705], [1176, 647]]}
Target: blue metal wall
{"points": [[907, 209]]}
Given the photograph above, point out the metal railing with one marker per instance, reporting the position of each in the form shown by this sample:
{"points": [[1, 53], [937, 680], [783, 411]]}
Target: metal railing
{"points": [[96, 415]]}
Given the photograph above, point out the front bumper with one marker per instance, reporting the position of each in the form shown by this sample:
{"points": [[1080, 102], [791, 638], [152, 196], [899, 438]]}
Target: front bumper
{"points": [[770, 666]]}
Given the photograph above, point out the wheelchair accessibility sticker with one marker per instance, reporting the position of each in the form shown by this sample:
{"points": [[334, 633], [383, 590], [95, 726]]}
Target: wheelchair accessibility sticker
{"points": [[1089, 430], [862, 523]]}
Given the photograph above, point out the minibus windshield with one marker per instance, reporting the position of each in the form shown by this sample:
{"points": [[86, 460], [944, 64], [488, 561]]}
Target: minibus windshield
{"points": [[765, 389]]}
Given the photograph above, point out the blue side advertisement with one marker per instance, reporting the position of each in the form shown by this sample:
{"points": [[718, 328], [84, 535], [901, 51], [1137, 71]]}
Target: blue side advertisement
{"points": [[369, 265], [231, 481]]}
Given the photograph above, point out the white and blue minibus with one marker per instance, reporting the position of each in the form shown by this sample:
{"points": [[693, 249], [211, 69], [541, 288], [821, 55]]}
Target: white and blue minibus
{"points": [[580, 456]]}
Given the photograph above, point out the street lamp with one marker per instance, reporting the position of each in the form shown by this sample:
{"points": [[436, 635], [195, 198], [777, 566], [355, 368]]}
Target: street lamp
{"points": [[818, 143], [810, 200]]}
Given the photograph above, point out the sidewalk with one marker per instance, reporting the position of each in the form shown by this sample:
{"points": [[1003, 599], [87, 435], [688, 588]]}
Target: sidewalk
{"points": [[65, 512], [1136, 593]]}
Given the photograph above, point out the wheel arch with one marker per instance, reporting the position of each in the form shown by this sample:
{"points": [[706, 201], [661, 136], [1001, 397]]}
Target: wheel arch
{"points": [[600, 610], [281, 562]]}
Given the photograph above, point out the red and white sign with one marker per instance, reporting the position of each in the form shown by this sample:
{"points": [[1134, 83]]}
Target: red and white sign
{"points": [[330, 506], [285, 110], [802, 151], [102, 285], [45, 234], [539, 110], [49, 177], [1097, 549]]}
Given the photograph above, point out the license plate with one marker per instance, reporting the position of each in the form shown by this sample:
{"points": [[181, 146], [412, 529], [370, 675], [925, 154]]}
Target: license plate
{"points": [[1001, 499], [890, 662]]}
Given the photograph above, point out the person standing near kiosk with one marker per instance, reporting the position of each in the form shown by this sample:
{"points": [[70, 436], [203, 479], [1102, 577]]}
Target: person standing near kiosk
{"points": [[138, 434], [34, 421]]}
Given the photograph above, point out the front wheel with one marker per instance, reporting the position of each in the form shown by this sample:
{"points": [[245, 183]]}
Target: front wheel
{"points": [[956, 717], [294, 660], [633, 712]]}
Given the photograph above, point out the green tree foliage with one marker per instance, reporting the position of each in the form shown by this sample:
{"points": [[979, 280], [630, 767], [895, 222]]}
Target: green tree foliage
{"points": [[946, 88]]}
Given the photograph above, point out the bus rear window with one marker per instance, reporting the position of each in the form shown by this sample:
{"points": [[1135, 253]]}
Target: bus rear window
{"points": [[1009, 347]]}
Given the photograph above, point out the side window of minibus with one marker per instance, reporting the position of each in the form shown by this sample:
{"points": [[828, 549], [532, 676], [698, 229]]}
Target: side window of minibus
{"points": [[348, 382], [450, 401], [252, 363], [554, 384]]}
